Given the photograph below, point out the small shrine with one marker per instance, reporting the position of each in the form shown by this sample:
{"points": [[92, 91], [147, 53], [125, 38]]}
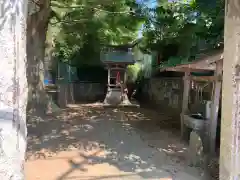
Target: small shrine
{"points": [[116, 59]]}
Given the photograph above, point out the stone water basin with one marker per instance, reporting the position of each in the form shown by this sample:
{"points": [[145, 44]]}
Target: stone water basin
{"points": [[195, 121]]}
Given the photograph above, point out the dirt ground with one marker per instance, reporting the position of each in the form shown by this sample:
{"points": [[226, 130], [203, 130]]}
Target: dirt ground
{"points": [[88, 142]]}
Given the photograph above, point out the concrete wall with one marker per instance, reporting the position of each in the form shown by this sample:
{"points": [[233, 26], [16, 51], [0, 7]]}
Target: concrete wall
{"points": [[88, 91], [80, 92]]}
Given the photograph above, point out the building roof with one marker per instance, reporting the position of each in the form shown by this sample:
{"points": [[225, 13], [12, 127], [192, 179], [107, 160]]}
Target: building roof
{"points": [[204, 62], [125, 46]]}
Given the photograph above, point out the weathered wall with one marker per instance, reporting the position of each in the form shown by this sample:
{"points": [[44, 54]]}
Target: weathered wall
{"points": [[70, 93], [165, 93], [88, 91], [73, 90]]}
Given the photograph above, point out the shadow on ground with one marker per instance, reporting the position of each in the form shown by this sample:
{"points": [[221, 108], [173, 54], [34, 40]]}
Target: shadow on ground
{"points": [[135, 141]]}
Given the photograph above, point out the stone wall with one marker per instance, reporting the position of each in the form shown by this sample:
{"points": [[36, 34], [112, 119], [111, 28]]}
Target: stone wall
{"points": [[165, 93]]}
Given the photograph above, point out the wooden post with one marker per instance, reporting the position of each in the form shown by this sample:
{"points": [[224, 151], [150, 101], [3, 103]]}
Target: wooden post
{"points": [[215, 106], [185, 100], [109, 72], [125, 77]]}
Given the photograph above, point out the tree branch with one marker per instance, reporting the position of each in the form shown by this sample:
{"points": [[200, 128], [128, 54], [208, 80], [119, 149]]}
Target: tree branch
{"points": [[37, 3], [98, 9], [68, 21]]}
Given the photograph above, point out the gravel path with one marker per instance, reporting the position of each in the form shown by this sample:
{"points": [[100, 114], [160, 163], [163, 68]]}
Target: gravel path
{"points": [[91, 143]]}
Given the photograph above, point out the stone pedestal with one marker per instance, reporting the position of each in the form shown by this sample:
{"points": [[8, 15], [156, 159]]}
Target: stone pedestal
{"points": [[114, 97], [196, 154], [198, 126], [125, 100]]}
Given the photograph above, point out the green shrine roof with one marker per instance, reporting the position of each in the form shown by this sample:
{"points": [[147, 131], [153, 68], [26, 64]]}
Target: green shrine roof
{"points": [[119, 53], [117, 57]]}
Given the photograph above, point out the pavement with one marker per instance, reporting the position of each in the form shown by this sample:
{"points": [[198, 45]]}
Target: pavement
{"points": [[88, 143]]}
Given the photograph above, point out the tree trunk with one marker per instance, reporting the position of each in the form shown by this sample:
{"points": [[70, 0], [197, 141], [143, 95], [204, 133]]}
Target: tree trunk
{"points": [[13, 88], [230, 141], [37, 24]]}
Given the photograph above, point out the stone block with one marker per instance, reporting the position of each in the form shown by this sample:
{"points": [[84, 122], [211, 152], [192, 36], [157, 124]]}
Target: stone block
{"points": [[195, 155]]}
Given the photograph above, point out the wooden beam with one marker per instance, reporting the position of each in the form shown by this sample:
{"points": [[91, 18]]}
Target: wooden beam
{"points": [[119, 63], [185, 100], [215, 107], [185, 69], [118, 68], [207, 78]]}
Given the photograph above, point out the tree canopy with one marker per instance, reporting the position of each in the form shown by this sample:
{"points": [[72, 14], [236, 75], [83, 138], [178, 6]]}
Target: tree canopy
{"points": [[184, 28], [177, 29], [86, 26]]}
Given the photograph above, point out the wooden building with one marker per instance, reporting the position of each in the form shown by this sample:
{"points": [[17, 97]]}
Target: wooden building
{"points": [[200, 71]]}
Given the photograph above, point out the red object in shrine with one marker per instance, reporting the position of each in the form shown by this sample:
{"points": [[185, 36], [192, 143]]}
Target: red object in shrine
{"points": [[118, 79]]}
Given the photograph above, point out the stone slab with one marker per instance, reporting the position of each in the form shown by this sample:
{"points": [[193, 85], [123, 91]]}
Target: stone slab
{"points": [[185, 176]]}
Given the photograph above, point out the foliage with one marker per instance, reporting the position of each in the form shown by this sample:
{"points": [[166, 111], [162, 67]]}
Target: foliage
{"points": [[173, 61], [133, 72], [183, 28], [178, 29], [86, 26]]}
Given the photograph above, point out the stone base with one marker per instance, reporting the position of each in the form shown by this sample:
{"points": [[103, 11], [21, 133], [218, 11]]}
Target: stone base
{"points": [[114, 97]]}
